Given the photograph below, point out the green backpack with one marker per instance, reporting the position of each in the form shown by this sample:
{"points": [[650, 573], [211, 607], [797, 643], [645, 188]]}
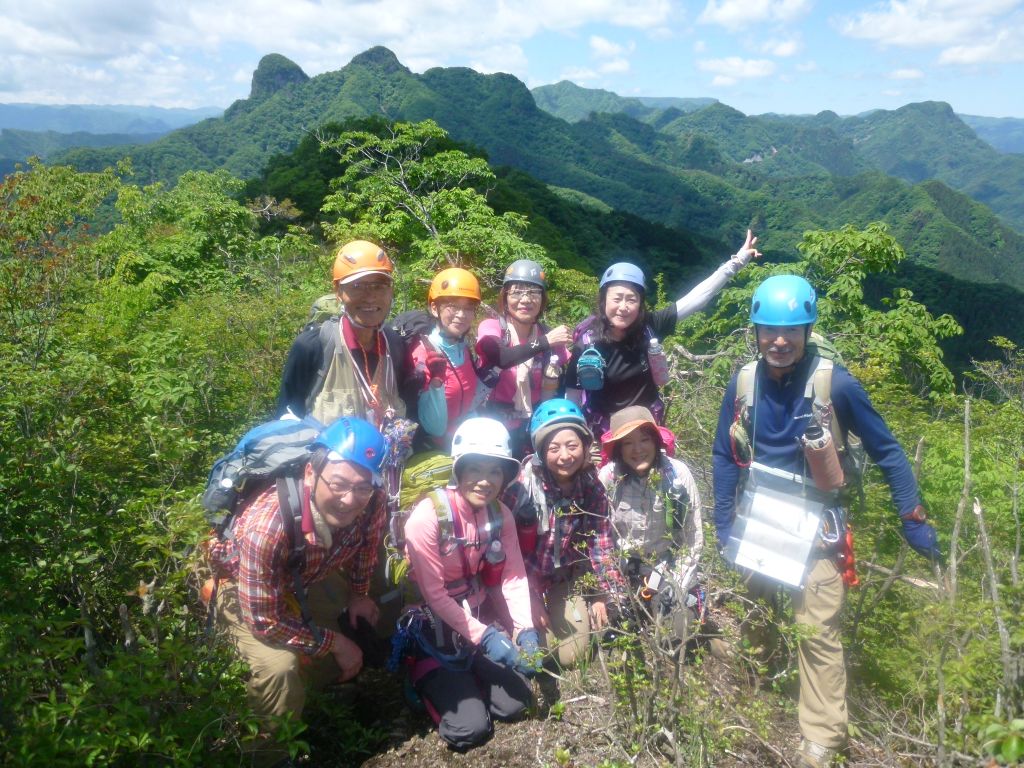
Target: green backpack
{"points": [[423, 474]]}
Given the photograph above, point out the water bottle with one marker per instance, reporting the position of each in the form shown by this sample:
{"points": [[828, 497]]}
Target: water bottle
{"points": [[493, 564], [822, 458], [549, 382], [658, 362]]}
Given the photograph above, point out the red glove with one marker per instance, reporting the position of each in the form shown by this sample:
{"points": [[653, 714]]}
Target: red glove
{"points": [[436, 364]]}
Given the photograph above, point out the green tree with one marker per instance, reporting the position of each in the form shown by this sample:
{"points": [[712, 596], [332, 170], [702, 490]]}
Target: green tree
{"points": [[428, 205]]}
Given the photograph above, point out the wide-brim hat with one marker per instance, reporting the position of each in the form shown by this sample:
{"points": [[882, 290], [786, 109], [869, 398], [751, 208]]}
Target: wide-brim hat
{"points": [[628, 420]]}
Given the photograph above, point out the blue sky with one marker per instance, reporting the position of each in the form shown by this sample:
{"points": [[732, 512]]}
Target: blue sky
{"points": [[787, 56]]}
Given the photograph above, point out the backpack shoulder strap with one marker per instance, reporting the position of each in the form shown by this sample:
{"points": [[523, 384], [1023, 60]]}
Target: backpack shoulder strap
{"points": [[819, 387], [745, 384], [289, 498], [330, 329], [445, 515]]}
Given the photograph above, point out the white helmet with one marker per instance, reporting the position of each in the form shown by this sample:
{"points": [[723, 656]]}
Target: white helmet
{"points": [[481, 436]]}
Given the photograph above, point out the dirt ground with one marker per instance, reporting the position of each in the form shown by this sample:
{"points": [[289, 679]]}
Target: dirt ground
{"points": [[746, 723]]}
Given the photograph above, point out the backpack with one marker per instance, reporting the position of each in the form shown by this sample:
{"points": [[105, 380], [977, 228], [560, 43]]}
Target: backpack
{"points": [[415, 322], [276, 451], [324, 308], [819, 387]]}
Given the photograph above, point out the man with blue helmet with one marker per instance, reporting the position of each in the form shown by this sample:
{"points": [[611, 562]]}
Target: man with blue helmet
{"points": [[769, 411], [264, 592]]}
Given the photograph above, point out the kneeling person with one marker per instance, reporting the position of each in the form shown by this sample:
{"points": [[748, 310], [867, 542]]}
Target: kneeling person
{"points": [[465, 559], [259, 602]]}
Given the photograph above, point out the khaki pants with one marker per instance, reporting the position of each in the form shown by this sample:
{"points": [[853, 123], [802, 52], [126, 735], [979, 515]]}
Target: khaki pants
{"points": [[568, 638], [279, 678], [822, 705]]}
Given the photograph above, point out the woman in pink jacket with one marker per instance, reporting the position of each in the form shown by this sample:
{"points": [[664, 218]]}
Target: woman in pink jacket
{"points": [[464, 552]]}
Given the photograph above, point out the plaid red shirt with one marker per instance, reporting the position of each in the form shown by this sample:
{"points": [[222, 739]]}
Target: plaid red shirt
{"points": [[256, 559], [579, 530]]}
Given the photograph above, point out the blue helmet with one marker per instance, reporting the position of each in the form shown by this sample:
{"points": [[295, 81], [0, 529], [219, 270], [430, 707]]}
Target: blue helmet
{"points": [[784, 300], [553, 414], [356, 440], [623, 272]]}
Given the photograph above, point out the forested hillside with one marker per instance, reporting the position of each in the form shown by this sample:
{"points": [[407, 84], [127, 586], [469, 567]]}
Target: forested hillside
{"points": [[709, 173], [1004, 133], [136, 353]]}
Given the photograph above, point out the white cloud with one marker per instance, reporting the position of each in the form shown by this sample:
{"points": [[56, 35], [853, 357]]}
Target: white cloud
{"points": [[731, 70], [66, 48], [781, 48], [615, 67], [603, 48], [613, 56], [578, 74], [736, 14], [807, 66], [967, 32], [906, 74], [700, 46]]}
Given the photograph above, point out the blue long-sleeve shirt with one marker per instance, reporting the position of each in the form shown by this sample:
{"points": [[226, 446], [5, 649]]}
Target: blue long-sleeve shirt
{"points": [[779, 416]]}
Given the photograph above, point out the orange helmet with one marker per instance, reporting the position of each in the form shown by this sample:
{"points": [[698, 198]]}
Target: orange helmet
{"points": [[358, 258], [454, 282]]}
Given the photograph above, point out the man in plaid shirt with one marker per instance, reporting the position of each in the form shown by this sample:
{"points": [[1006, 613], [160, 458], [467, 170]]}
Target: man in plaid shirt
{"points": [[343, 519]]}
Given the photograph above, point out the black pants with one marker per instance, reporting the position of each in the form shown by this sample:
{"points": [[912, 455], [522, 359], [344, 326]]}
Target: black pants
{"points": [[466, 701]]}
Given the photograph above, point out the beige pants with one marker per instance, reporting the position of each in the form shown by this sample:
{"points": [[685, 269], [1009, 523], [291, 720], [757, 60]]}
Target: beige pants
{"points": [[279, 678], [822, 705], [568, 637]]}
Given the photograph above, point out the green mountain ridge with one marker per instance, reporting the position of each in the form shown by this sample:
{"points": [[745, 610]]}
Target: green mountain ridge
{"points": [[573, 103], [687, 174]]}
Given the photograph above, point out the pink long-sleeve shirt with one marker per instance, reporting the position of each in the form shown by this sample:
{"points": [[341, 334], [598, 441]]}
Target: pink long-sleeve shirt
{"points": [[432, 570]]}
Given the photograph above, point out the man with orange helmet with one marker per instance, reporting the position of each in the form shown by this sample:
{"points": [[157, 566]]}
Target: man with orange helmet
{"points": [[350, 365], [451, 389]]}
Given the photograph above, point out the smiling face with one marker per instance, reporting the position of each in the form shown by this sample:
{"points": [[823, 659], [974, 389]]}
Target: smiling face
{"points": [[524, 302], [367, 300], [781, 346], [341, 492], [454, 315], [480, 480], [621, 307], [639, 450], [564, 455]]}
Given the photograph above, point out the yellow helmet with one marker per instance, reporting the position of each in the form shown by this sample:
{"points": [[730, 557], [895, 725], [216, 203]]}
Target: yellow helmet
{"points": [[358, 258], [454, 282]]}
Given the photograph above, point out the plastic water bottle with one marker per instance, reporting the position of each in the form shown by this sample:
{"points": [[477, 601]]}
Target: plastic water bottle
{"points": [[493, 565], [658, 362], [549, 382]]}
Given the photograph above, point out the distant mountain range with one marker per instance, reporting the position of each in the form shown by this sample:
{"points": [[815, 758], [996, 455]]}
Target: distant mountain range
{"points": [[109, 119], [41, 130], [704, 170]]}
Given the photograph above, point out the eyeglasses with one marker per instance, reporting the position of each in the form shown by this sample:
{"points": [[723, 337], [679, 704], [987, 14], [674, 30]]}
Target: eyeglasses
{"points": [[526, 293], [456, 309], [341, 488], [377, 286]]}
